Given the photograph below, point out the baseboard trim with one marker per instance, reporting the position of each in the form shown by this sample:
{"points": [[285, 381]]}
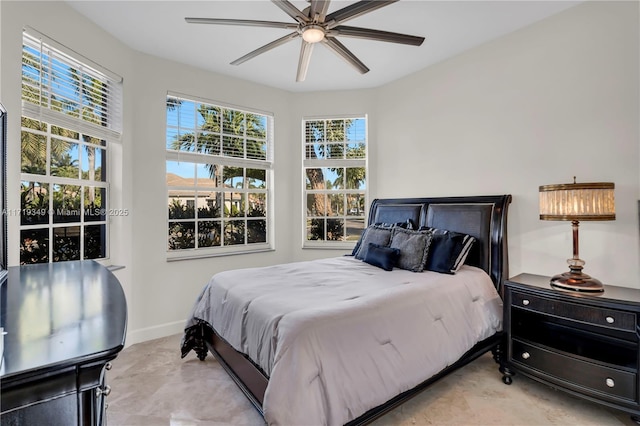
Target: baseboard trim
{"points": [[157, 331]]}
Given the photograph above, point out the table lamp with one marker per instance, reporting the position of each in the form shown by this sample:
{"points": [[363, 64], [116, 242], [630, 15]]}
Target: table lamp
{"points": [[577, 202]]}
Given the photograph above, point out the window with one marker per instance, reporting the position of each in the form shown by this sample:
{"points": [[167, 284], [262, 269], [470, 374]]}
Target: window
{"points": [[70, 113], [219, 178], [335, 176]]}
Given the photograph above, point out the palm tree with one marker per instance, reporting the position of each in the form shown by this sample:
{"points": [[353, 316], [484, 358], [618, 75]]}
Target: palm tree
{"points": [[229, 133], [320, 133], [33, 154], [92, 103], [65, 166], [83, 98], [233, 125]]}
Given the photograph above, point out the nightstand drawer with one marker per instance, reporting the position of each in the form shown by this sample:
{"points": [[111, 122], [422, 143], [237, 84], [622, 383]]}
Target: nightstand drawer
{"points": [[577, 373], [589, 314]]}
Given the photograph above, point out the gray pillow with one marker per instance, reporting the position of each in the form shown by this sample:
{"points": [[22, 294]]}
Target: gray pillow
{"points": [[408, 224], [413, 246], [375, 234]]}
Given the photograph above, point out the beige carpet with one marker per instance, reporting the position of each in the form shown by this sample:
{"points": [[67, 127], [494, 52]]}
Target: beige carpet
{"points": [[152, 385]]}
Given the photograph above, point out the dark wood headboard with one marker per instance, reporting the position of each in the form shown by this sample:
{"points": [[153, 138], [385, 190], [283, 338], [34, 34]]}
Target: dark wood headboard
{"points": [[483, 217]]}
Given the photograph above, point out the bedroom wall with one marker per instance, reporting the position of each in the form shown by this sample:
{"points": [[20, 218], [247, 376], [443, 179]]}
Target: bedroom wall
{"points": [[159, 293], [326, 104], [556, 99], [165, 291], [82, 36]]}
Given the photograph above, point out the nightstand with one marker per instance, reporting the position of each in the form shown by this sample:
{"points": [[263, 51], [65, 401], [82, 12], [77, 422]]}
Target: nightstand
{"points": [[586, 344]]}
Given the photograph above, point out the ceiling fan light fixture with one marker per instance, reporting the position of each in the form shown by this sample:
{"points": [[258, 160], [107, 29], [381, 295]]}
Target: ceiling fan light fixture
{"points": [[314, 25], [313, 33]]}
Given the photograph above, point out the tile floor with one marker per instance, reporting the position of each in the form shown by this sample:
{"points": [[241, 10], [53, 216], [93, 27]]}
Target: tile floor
{"points": [[151, 385]]}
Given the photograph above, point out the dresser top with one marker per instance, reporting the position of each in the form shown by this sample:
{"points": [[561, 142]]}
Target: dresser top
{"points": [[58, 314], [613, 293]]}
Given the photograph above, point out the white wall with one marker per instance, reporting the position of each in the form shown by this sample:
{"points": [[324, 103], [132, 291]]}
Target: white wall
{"points": [[324, 104], [159, 293], [165, 291], [556, 99], [83, 37]]}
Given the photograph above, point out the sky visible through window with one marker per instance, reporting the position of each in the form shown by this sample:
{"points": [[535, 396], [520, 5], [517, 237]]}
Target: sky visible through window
{"points": [[195, 119], [355, 136]]}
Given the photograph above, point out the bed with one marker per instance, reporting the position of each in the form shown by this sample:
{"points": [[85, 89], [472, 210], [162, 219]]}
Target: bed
{"points": [[340, 341]]}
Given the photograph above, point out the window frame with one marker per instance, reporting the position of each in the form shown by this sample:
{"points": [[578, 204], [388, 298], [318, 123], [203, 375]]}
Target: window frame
{"points": [[204, 159], [334, 163], [97, 127]]}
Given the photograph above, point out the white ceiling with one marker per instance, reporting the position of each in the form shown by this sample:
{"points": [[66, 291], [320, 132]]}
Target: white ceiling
{"points": [[450, 27]]}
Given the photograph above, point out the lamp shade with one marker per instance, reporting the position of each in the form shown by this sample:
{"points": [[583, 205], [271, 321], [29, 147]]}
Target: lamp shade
{"points": [[578, 201]]}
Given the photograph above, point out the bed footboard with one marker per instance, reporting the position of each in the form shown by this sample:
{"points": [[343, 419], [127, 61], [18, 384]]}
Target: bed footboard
{"points": [[253, 383], [247, 376]]}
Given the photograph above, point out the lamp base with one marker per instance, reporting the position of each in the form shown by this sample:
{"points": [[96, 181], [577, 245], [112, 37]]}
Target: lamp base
{"points": [[577, 282]]}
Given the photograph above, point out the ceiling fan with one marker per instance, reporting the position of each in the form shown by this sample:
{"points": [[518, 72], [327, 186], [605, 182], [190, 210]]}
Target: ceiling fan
{"points": [[314, 25]]}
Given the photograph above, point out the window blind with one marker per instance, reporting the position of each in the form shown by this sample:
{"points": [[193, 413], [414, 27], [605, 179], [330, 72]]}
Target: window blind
{"points": [[241, 137], [62, 88]]}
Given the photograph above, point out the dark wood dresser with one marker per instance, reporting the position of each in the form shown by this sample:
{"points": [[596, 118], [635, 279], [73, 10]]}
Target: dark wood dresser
{"points": [[63, 323], [586, 344]]}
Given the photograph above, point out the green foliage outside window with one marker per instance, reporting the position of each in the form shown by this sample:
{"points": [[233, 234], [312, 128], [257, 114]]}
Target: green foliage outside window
{"points": [[61, 220], [335, 194], [227, 206]]}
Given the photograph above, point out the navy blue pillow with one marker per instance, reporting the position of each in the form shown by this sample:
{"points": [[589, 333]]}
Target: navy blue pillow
{"points": [[358, 244], [448, 250], [382, 257]]}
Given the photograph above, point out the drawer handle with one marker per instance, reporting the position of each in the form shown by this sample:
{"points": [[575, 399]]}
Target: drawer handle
{"points": [[103, 391], [525, 302], [610, 382], [525, 355], [610, 320]]}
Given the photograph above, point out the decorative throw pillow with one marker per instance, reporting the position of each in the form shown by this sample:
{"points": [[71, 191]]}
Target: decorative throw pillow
{"points": [[407, 224], [382, 257], [413, 246], [448, 250], [359, 243], [373, 234]]}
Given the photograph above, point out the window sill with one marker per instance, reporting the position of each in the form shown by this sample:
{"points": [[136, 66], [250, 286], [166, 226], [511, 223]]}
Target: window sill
{"points": [[198, 254], [328, 246]]}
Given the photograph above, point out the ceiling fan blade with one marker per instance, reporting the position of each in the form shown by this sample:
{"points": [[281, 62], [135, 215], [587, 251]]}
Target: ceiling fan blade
{"points": [[292, 11], [243, 22], [339, 48], [318, 10], [377, 35], [303, 63], [265, 48], [354, 10]]}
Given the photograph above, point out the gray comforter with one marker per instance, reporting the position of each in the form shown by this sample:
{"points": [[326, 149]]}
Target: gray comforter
{"points": [[338, 337]]}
